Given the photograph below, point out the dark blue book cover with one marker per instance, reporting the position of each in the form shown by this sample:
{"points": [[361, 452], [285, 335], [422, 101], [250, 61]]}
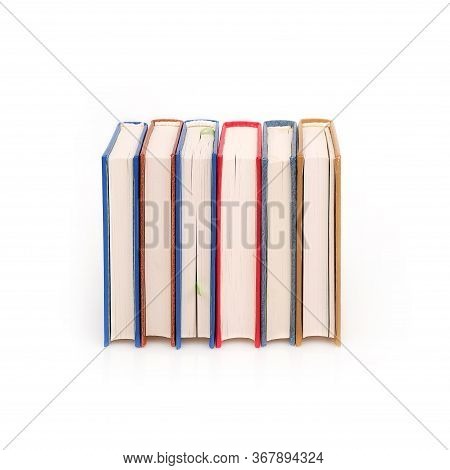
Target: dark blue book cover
{"points": [[106, 237], [179, 228]]}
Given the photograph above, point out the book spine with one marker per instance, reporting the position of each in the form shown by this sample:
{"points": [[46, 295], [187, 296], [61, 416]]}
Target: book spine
{"points": [[337, 228], [218, 257], [299, 249], [136, 249], [264, 164], [212, 323], [143, 299], [106, 269], [175, 283], [178, 249], [293, 234], [258, 242]]}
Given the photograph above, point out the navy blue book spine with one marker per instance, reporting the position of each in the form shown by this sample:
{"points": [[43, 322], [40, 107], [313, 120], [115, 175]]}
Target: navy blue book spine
{"points": [[178, 247], [136, 253]]}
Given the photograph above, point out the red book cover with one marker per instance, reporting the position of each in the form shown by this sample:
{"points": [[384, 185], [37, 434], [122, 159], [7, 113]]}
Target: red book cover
{"points": [[227, 125]]}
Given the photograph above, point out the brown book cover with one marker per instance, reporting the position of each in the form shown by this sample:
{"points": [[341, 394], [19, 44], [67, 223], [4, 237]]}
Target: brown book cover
{"points": [[337, 230], [142, 229]]}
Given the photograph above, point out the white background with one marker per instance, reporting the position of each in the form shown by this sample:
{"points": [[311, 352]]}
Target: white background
{"points": [[225, 60]]}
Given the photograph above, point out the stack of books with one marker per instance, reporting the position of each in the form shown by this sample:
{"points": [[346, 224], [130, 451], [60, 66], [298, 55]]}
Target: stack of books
{"points": [[236, 236]]}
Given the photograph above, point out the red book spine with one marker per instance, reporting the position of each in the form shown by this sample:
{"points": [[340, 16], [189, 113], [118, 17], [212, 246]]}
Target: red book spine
{"points": [[258, 169], [258, 240]]}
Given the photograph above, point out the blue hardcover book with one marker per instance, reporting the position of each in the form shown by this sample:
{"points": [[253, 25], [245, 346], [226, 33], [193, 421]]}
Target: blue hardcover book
{"points": [[278, 231], [120, 181], [195, 231]]}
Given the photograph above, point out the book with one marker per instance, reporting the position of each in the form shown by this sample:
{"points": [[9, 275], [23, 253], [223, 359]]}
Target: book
{"points": [[120, 183], [195, 233], [157, 228], [238, 262], [278, 231], [318, 232]]}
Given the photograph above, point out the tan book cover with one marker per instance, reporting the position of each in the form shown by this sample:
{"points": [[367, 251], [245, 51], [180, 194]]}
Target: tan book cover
{"points": [[142, 228], [337, 229]]}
